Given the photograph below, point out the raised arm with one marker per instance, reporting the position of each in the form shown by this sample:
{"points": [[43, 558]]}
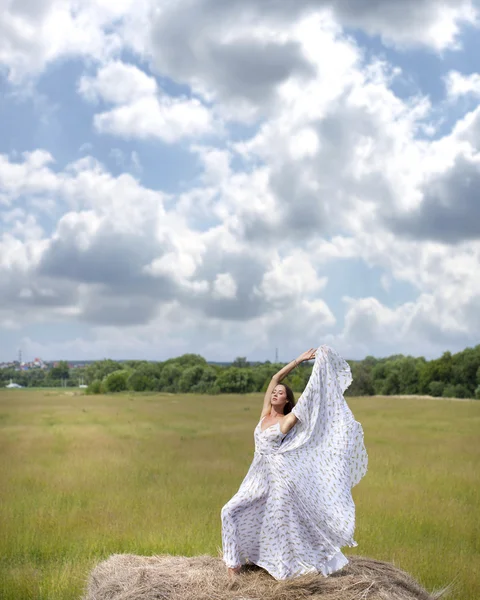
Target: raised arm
{"points": [[277, 378]]}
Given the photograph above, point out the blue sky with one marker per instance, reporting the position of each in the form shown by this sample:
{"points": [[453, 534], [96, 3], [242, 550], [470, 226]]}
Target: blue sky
{"points": [[228, 179]]}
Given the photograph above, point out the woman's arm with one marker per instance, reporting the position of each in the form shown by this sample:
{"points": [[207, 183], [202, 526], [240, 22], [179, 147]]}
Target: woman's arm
{"points": [[277, 378]]}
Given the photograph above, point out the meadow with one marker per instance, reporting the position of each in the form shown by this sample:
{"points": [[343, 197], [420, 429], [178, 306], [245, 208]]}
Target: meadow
{"points": [[83, 477]]}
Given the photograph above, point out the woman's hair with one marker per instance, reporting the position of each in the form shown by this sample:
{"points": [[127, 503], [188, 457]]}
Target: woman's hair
{"points": [[290, 399]]}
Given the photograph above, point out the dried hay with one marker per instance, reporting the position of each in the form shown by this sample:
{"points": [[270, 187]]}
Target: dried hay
{"points": [[166, 577]]}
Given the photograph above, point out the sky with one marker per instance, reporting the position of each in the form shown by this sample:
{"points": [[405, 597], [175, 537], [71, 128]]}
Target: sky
{"points": [[229, 178]]}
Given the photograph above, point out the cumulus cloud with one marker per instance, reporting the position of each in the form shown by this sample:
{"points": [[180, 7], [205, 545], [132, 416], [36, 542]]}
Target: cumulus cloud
{"points": [[224, 286], [291, 276], [460, 85], [166, 118], [424, 324], [242, 70], [141, 109], [332, 168], [218, 48], [411, 22], [34, 34], [117, 83], [114, 240], [450, 208]]}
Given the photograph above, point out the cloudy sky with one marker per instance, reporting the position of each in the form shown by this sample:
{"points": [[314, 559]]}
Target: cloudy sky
{"points": [[226, 178]]}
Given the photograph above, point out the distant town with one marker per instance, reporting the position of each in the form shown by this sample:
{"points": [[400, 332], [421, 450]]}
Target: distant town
{"points": [[38, 363]]}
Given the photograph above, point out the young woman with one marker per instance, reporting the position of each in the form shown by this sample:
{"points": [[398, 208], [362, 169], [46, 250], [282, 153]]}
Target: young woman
{"points": [[294, 509]]}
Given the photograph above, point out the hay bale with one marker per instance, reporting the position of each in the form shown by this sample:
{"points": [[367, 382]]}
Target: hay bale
{"points": [[166, 577]]}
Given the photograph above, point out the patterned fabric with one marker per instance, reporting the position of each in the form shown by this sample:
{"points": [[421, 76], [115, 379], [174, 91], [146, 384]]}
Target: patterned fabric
{"points": [[294, 509]]}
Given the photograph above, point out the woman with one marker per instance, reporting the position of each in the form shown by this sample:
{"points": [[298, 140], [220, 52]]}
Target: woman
{"points": [[294, 509]]}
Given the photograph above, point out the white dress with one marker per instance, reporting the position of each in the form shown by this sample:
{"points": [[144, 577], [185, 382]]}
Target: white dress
{"points": [[294, 509]]}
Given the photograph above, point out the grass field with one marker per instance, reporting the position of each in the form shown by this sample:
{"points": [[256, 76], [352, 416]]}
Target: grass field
{"points": [[82, 477]]}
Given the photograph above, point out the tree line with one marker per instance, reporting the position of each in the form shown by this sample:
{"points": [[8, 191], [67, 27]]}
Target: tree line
{"points": [[451, 375]]}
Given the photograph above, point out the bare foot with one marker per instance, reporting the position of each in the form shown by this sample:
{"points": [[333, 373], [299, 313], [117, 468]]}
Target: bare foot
{"points": [[233, 572]]}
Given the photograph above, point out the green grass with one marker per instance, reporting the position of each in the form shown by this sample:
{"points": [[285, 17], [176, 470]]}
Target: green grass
{"points": [[82, 477]]}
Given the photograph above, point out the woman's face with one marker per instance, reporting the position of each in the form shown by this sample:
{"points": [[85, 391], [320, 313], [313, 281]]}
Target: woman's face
{"points": [[279, 396]]}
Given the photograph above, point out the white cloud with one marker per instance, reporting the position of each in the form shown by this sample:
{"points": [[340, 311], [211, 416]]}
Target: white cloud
{"points": [[411, 22], [34, 34], [216, 46], [224, 286], [141, 109], [27, 177], [117, 83], [163, 117], [291, 277], [460, 85], [335, 168]]}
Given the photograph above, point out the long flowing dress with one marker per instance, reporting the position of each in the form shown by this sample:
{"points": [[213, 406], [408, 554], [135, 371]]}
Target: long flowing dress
{"points": [[294, 510]]}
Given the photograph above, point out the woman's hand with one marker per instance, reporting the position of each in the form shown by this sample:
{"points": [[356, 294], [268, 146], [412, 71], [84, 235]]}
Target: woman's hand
{"points": [[308, 355]]}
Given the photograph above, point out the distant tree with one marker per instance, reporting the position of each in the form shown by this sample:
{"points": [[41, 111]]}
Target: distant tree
{"points": [[139, 382], [36, 378], [100, 369], [169, 377], [409, 372], [261, 373], [207, 383], [190, 377], [462, 391], [145, 377], [188, 360], [456, 375], [241, 362], [210, 374], [379, 376], [296, 382], [236, 381], [449, 391], [95, 387], [465, 367], [436, 388], [117, 381], [362, 384], [370, 361], [61, 371]]}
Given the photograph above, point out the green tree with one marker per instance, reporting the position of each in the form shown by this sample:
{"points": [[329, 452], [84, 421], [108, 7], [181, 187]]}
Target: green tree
{"points": [[190, 377], [36, 378], [188, 360], [100, 369], [261, 373], [449, 391], [236, 381], [462, 391], [465, 367], [241, 362], [60, 371], [169, 377], [436, 388], [139, 382], [379, 376], [117, 381], [362, 384], [207, 383], [95, 387]]}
